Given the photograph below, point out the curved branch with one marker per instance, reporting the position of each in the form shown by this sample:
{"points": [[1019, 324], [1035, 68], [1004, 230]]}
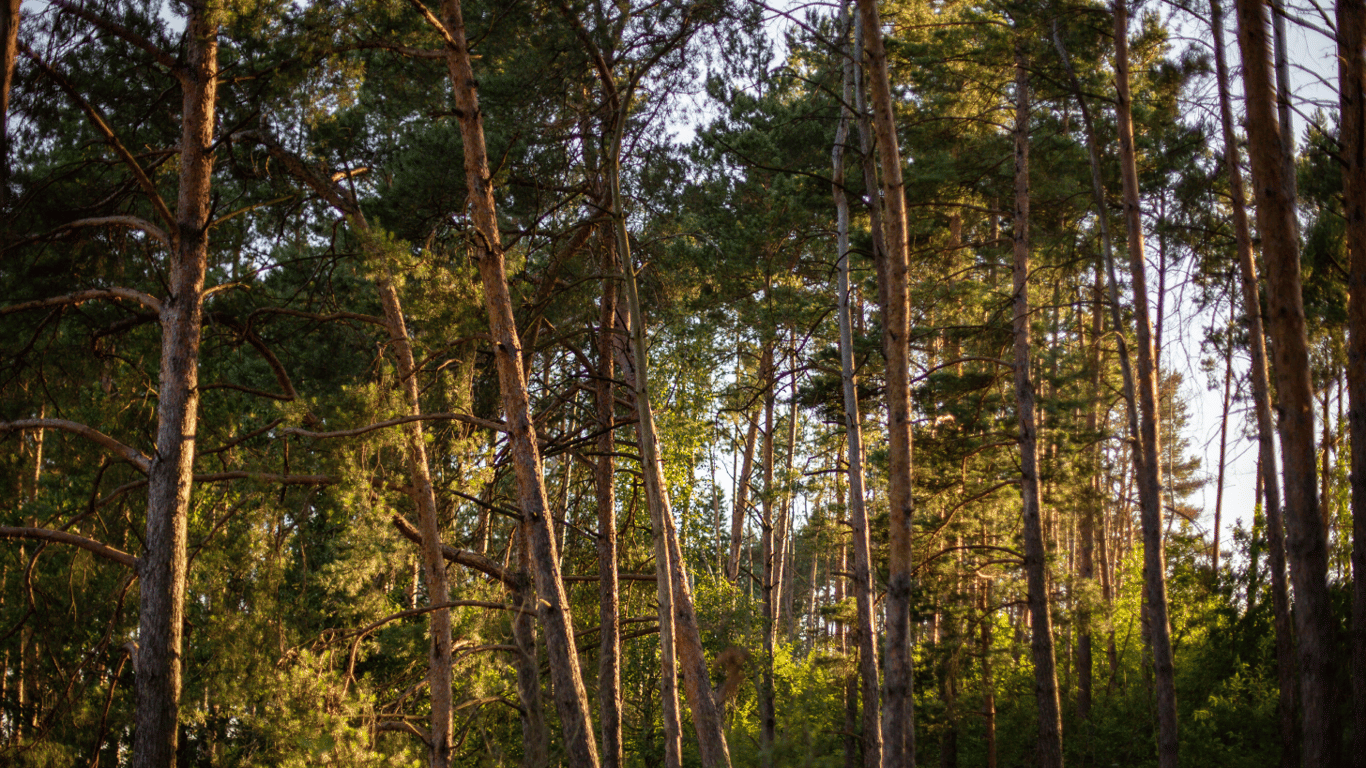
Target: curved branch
{"points": [[404, 727], [132, 222], [142, 462], [265, 477], [64, 537], [81, 297], [322, 318], [162, 57]]}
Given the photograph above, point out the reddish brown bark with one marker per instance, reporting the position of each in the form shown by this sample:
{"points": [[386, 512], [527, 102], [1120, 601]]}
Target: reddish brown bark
{"points": [[571, 699], [162, 567], [898, 715], [1307, 542]]}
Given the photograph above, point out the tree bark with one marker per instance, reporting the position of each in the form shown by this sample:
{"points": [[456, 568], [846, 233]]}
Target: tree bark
{"points": [[535, 734], [737, 518], [771, 563], [861, 581], [9, 39], [1149, 468], [1260, 381], [170, 478], [1307, 543], [571, 700], [898, 714], [1351, 19], [609, 611], [1049, 752]]}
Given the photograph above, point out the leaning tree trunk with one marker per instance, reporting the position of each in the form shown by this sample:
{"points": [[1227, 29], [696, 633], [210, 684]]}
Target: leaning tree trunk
{"points": [[1307, 541], [898, 714], [163, 567], [741, 508], [1261, 398], [1049, 752], [1150, 468], [1351, 18], [674, 591], [9, 39], [571, 700], [862, 581]]}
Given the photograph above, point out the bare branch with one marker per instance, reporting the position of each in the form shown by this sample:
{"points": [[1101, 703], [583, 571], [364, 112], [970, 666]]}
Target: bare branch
{"points": [[132, 222], [436, 24], [265, 477], [373, 320], [400, 726], [64, 537], [83, 296], [142, 462]]}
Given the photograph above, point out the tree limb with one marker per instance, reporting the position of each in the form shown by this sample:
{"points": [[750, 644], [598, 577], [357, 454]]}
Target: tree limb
{"points": [[142, 462], [80, 297], [515, 580], [64, 537], [132, 222], [475, 420]]}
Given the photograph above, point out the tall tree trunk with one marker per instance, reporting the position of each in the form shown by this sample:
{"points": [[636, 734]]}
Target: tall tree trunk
{"points": [[898, 713], [1260, 379], [988, 682], [1307, 542], [1093, 505], [535, 734], [737, 519], [163, 566], [609, 612], [771, 569], [571, 700], [1150, 468], [1045, 672], [1223, 455], [1351, 18], [682, 621], [9, 39], [862, 580]]}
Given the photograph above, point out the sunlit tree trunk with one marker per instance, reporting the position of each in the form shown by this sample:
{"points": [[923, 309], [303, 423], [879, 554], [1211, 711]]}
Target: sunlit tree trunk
{"points": [[1049, 752], [898, 714], [609, 611], [162, 568], [1307, 542], [571, 700]]}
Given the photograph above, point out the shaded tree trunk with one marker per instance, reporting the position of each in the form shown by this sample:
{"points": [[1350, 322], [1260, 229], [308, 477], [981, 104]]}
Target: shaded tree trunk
{"points": [[609, 612], [861, 581], [1260, 380], [1049, 752], [1149, 467], [1307, 542], [1351, 19]]}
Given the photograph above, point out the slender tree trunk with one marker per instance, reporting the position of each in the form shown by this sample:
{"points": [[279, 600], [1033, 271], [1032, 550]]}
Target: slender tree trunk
{"points": [[1307, 543], [862, 581], [1351, 19], [1045, 667], [9, 39], [1260, 379], [571, 699], [737, 518], [1150, 480], [771, 571], [682, 621], [609, 612], [898, 715], [1093, 503], [535, 734], [162, 568], [988, 682], [1223, 454]]}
